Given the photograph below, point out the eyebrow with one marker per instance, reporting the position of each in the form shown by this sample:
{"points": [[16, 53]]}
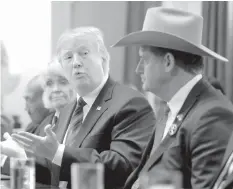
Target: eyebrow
{"points": [[26, 97], [62, 77]]}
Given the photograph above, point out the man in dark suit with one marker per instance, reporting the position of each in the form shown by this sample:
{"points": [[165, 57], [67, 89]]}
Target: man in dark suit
{"points": [[40, 117], [192, 135], [224, 177], [108, 123], [34, 104]]}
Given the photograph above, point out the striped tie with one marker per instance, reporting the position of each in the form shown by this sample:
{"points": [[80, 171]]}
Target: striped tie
{"points": [[54, 122], [76, 122]]}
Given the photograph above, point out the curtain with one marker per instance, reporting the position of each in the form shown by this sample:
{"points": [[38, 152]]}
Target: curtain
{"points": [[136, 14], [216, 37]]}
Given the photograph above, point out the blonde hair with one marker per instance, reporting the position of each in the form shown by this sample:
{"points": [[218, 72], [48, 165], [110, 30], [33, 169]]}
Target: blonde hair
{"points": [[54, 69], [83, 32]]}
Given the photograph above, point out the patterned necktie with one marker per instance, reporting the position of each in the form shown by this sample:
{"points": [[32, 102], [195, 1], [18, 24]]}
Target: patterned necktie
{"points": [[227, 170], [54, 121], [76, 122], [160, 126]]}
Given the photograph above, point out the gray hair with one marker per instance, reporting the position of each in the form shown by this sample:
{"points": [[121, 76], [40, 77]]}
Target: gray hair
{"points": [[86, 31], [54, 68]]}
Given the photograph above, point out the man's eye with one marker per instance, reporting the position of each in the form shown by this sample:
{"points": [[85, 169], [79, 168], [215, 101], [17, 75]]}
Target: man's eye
{"points": [[49, 83], [67, 57], [84, 53], [64, 82]]}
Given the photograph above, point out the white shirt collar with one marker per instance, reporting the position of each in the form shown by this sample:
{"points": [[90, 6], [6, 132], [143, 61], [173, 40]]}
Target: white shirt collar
{"points": [[179, 98], [57, 113], [90, 97]]}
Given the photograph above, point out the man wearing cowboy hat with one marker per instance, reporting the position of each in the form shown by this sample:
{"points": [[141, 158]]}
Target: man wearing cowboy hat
{"points": [[192, 136]]}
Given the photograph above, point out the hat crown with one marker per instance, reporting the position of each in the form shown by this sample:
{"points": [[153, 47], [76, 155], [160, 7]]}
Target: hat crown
{"points": [[185, 25]]}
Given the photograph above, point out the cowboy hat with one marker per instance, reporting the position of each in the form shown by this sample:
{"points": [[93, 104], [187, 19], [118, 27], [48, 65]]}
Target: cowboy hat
{"points": [[173, 29]]}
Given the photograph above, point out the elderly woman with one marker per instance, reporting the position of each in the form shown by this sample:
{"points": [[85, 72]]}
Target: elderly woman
{"points": [[57, 90]]}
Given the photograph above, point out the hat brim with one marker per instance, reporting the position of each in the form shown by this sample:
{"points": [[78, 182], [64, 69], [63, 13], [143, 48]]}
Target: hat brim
{"points": [[165, 40]]}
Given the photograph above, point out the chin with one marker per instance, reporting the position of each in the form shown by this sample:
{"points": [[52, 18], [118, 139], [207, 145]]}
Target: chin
{"points": [[145, 87]]}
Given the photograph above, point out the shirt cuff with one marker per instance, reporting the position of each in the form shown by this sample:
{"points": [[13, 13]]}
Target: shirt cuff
{"points": [[59, 154], [3, 159]]}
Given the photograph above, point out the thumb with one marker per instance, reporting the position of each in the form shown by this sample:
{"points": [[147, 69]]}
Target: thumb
{"points": [[48, 131], [6, 136]]}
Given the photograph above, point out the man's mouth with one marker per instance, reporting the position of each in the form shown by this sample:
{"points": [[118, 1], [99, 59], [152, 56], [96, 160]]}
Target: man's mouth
{"points": [[143, 78], [79, 74], [56, 97]]}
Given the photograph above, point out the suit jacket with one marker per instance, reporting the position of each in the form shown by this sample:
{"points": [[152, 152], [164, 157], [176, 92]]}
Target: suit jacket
{"points": [[43, 174], [32, 128], [229, 151], [114, 134], [196, 149]]}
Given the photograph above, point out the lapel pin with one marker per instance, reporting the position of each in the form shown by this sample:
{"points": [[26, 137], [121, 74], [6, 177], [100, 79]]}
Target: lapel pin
{"points": [[180, 117], [173, 129], [98, 108]]}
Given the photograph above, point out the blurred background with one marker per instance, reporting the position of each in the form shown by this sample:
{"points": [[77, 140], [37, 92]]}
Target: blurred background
{"points": [[30, 30]]}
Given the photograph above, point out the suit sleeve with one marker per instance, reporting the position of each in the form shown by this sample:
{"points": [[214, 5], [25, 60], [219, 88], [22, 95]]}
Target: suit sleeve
{"points": [[132, 128], [208, 146]]}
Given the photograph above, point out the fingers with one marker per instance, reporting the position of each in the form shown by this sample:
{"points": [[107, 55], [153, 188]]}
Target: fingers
{"points": [[22, 143], [49, 126], [6, 135], [21, 139], [49, 132], [27, 135]]}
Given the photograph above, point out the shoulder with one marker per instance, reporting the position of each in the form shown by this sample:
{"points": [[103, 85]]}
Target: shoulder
{"points": [[127, 93], [211, 115], [125, 99], [214, 103]]}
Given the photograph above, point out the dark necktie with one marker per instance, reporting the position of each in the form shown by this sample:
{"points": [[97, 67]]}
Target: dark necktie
{"points": [[76, 122], [160, 126], [54, 122]]}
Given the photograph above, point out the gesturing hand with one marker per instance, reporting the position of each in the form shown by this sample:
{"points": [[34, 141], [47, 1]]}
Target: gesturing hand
{"points": [[40, 146], [11, 148]]}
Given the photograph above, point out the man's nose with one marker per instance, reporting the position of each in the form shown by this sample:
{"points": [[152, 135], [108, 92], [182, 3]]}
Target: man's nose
{"points": [[140, 68], [56, 87], [77, 62], [26, 108]]}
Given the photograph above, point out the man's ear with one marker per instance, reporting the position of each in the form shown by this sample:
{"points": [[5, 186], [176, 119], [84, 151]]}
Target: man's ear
{"points": [[169, 62], [104, 64]]}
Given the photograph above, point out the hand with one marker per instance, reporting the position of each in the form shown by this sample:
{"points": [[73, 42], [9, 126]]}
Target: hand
{"points": [[11, 148], [40, 146]]}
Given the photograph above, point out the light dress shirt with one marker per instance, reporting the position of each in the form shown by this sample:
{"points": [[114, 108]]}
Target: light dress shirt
{"points": [[178, 100]]}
